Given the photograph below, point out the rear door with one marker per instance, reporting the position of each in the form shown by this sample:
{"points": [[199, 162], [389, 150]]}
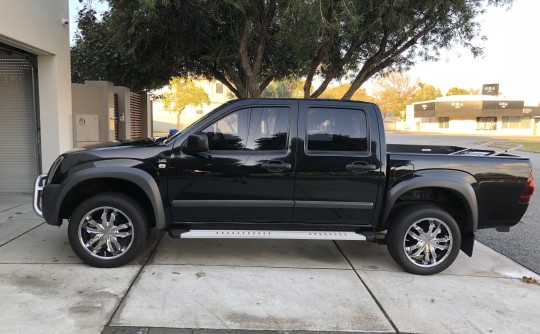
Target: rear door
{"points": [[338, 166]]}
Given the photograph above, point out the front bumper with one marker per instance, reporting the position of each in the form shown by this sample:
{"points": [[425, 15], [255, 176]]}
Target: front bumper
{"points": [[38, 193]]}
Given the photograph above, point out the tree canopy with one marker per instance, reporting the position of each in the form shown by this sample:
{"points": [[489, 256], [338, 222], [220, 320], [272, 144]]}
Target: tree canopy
{"points": [[336, 92], [462, 91], [183, 93], [394, 91], [246, 44], [281, 89], [426, 92]]}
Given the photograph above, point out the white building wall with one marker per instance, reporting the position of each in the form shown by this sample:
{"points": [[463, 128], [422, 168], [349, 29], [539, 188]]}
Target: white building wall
{"points": [[36, 26], [210, 89], [462, 125], [465, 126], [427, 124], [410, 121], [519, 132]]}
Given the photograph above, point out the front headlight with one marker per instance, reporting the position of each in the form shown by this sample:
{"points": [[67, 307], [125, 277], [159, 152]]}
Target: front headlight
{"points": [[53, 169]]}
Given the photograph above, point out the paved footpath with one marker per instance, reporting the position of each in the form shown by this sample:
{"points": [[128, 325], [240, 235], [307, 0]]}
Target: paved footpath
{"points": [[247, 286]]}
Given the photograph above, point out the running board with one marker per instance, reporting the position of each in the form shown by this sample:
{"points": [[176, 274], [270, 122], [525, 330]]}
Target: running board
{"points": [[267, 234]]}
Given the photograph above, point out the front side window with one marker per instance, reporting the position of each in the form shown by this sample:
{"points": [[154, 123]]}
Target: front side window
{"points": [[230, 132], [268, 129], [336, 130]]}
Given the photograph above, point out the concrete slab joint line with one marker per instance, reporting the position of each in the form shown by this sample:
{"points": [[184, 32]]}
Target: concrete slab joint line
{"points": [[368, 289], [162, 330]]}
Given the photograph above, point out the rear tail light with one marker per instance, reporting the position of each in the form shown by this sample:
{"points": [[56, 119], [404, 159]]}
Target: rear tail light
{"points": [[528, 191]]}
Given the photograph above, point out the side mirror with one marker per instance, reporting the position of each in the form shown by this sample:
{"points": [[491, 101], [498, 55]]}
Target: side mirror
{"points": [[196, 143], [159, 140]]}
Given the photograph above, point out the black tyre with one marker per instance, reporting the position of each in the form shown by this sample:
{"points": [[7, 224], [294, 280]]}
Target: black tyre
{"points": [[108, 230], [423, 240]]}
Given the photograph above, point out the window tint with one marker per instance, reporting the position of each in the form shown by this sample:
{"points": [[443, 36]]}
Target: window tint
{"points": [[268, 129], [230, 132], [336, 130]]}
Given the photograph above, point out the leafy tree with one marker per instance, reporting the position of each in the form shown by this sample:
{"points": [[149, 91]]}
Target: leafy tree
{"points": [[336, 92], [246, 44], [111, 49], [298, 89], [363, 38], [462, 91], [224, 40], [87, 59], [284, 89], [426, 92], [183, 93], [280, 89], [394, 91]]}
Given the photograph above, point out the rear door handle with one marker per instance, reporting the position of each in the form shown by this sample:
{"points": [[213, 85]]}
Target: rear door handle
{"points": [[360, 166], [276, 166]]}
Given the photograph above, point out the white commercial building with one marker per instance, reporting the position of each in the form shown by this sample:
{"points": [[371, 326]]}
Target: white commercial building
{"points": [[480, 114]]}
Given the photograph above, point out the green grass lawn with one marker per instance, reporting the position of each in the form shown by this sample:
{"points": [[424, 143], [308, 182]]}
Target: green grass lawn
{"points": [[527, 144]]}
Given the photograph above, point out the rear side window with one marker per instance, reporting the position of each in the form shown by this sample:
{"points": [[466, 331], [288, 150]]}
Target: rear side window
{"points": [[268, 129], [331, 129]]}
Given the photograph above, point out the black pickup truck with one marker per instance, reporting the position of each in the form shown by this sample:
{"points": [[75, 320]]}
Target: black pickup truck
{"points": [[284, 169]]}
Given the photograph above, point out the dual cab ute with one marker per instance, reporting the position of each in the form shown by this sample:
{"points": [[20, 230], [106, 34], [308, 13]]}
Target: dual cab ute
{"points": [[287, 169]]}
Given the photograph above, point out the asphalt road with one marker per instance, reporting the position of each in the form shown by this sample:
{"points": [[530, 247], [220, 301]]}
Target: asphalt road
{"points": [[521, 244]]}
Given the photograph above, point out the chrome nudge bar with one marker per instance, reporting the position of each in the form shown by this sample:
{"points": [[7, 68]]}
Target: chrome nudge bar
{"points": [[38, 189]]}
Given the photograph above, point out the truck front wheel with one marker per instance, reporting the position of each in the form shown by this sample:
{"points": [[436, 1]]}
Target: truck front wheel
{"points": [[423, 240], [108, 230]]}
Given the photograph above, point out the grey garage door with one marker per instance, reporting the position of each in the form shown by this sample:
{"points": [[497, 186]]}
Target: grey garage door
{"points": [[18, 130]]}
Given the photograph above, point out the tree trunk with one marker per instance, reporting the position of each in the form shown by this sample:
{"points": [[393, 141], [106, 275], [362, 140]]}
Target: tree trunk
{"points": [[251, 62], [253, 87], [321, 52], [357, 83], [382, 59]]}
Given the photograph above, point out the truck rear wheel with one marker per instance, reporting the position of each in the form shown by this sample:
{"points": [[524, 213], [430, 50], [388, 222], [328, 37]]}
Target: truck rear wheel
{"points": [[108, 230], [423, 240]]}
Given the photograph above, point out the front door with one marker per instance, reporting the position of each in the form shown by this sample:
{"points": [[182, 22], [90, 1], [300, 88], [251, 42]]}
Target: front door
{"points": [[248, 173], [338, 167]]}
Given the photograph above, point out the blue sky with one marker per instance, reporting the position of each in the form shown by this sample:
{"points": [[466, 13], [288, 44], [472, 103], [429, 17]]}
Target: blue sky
{"points": [[511, 54]]}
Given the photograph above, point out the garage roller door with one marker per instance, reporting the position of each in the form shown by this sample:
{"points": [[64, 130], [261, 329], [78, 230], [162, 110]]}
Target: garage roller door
{"points": [[18, 148]]}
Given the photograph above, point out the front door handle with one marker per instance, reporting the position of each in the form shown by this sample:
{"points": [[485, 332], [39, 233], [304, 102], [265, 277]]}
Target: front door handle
{"points": [[276, 166], [360, 166]]}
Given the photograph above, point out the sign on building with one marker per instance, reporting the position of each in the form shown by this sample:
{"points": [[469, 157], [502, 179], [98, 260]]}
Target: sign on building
{"points": [[490, 89]]}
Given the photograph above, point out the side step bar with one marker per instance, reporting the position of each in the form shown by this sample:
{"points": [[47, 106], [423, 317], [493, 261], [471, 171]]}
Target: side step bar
{"points": [[267, 234]]}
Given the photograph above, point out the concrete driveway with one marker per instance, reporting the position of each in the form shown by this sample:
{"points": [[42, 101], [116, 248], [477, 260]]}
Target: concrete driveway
{"points": [[189, 286]]}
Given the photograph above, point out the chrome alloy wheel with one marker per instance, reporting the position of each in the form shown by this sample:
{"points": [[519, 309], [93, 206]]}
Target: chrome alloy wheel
{"points": [[106, 233], [428, 242]]}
